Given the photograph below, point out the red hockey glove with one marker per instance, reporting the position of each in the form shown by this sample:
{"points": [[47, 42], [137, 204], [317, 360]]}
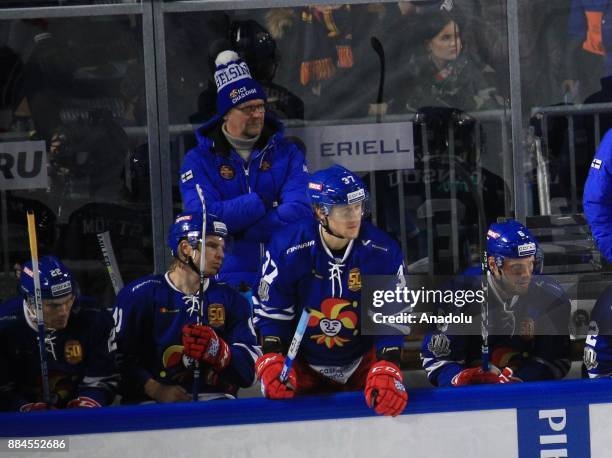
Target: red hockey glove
{"points": [[82, 401], [32, 406], [507, 376], [268, 369], [202, 343], [385, 391], [474, 376]]}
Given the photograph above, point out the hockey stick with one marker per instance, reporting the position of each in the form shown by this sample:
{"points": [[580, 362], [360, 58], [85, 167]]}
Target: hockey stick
{"points": [[200, 318], [378, 49], [484, 311], [44, 371], [295, 344], [380, 52], [108, 254]]}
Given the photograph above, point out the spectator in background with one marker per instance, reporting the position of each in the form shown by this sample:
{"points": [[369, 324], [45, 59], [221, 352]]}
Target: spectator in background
{"points": [[589, 30], [79, 344], [443, 73], [247, 172]]}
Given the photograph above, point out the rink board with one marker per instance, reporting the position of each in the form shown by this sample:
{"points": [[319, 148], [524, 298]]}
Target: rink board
{"points": [[570, 418]]}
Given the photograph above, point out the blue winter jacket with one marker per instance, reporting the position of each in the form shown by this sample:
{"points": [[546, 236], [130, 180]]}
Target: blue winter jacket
{"points": [[254, 198], [597, 197]]}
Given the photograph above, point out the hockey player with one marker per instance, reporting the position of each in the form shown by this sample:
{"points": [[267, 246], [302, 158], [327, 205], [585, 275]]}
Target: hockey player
{"points": [[319, 263], [157, 335], [250, 174], [79, 343], [527, 325], [598, 343]]}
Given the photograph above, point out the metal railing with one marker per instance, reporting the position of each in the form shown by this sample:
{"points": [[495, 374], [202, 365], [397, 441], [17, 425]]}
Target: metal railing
{"points": [[540, 146]]}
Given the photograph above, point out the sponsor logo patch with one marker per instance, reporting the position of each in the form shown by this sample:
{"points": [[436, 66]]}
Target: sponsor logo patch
{"points": [[220, 228], [227, 172], [355, 196], [492, 234], [300, 246], [265, 166], [73, 352], [315, 186], [526, 249], [62, 289], [180, 219]]}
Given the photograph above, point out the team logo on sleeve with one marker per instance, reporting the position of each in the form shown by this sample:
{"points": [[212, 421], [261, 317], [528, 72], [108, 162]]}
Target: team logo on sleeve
{"points": [[265, 166], [227, 172], [439, 345], [331, 319], [216, 315], [73, 352], [354, 279], [596, 164]]}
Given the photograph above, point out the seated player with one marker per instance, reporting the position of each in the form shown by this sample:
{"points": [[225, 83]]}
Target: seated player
{"points": [[598, 344], [318, 263], [79, 343], [528, 319], [157, 335]]}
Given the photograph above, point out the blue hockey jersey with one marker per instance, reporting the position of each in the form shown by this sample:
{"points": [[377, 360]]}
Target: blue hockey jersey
{"points": [[150, 315], [529, 332], [80, 357], [300, 271], [597, 198], [598, 344]]}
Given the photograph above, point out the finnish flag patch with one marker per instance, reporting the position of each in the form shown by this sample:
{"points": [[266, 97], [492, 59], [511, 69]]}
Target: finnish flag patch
{"points": [[596, 164], [188, 175]]}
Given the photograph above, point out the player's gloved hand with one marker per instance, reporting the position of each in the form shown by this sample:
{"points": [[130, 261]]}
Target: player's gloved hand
{"points": [[268, 369], [475, 376], [32, 406], [507, 376], [385, 391], [202, 343], [82, 402]]}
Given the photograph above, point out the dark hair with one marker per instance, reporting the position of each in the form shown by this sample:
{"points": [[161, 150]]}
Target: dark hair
{"points": [[432, 24]]}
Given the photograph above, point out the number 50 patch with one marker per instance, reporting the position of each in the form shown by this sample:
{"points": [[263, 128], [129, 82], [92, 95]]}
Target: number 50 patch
{"points": [[216, 315]]}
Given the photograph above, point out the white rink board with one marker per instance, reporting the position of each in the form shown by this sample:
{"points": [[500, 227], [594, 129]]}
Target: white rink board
{"points": [[434, 435], [600, 419], [523, 420]]}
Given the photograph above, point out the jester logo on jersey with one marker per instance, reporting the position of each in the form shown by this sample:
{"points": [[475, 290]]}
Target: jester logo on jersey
{"points": [[331, 319]]}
